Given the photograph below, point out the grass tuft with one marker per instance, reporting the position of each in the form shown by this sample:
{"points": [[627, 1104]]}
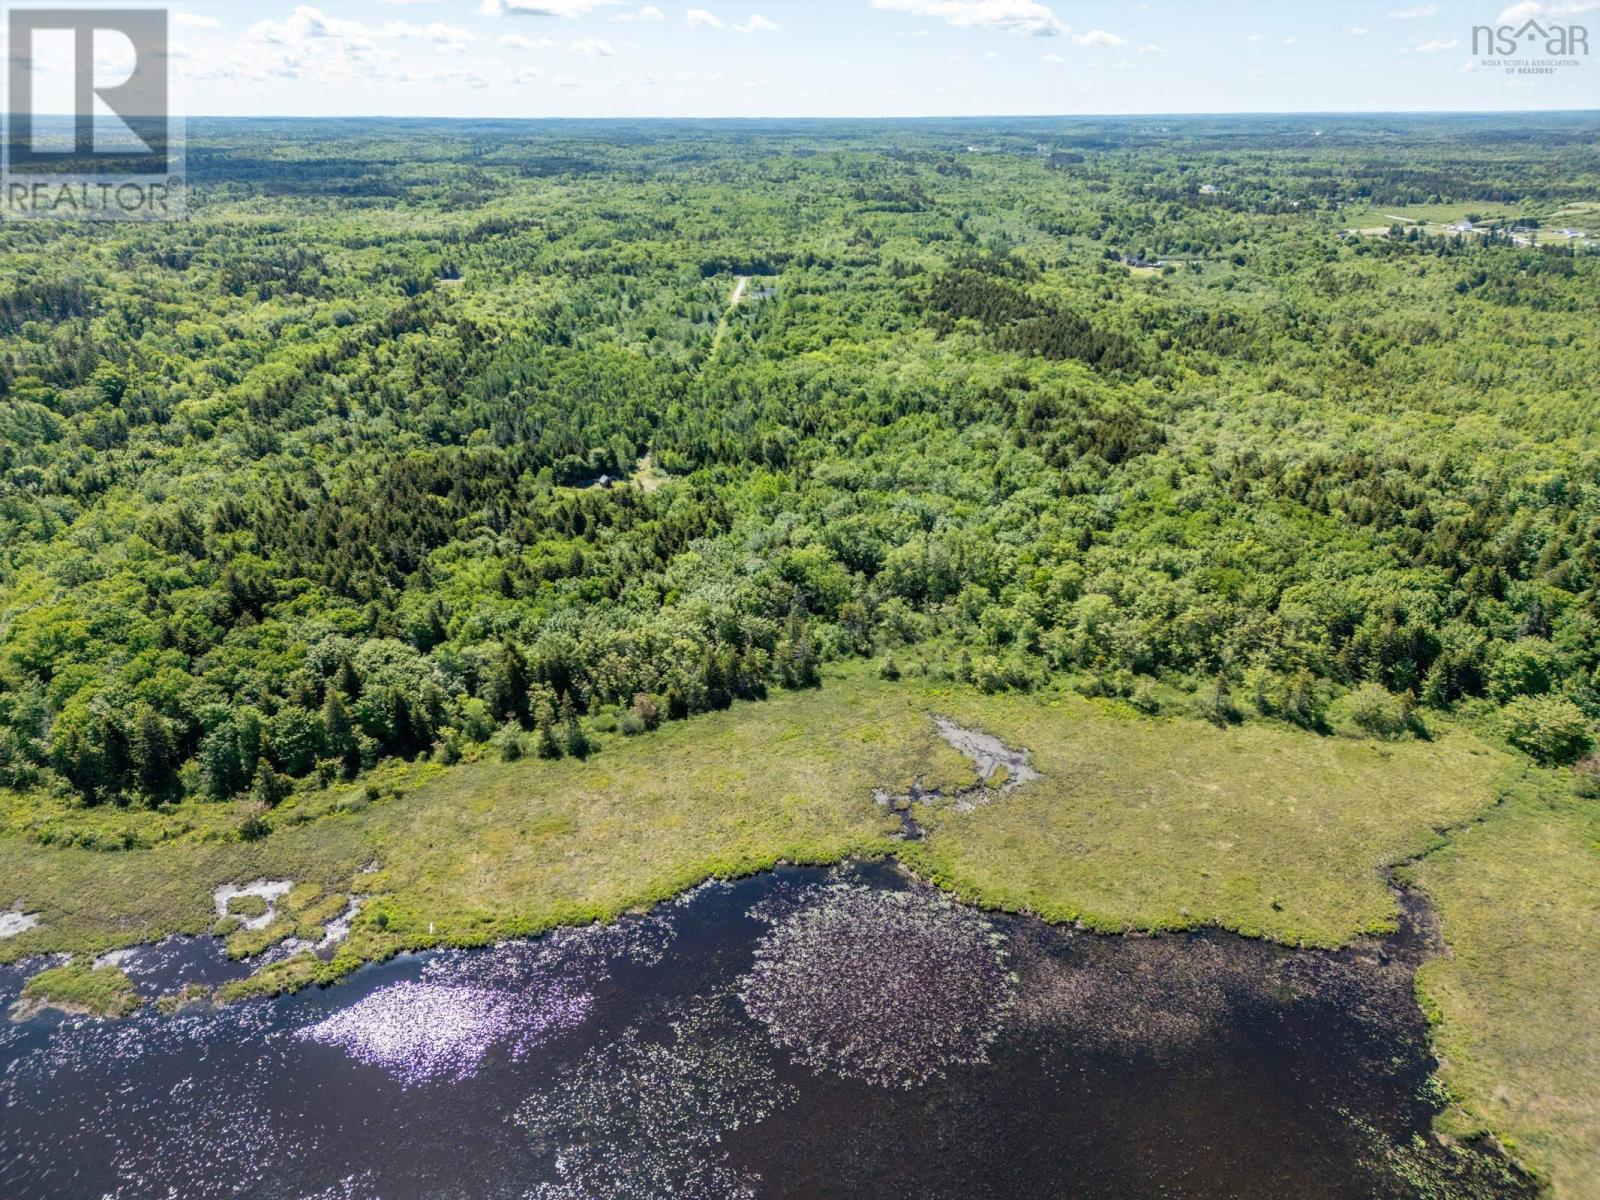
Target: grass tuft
{"points": [[95, 991]]}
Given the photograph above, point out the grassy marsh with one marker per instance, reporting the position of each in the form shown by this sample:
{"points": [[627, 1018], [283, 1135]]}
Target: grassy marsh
{"points": [[76, 988], [1517, 1000], [1136, 824], [1173, 823]]}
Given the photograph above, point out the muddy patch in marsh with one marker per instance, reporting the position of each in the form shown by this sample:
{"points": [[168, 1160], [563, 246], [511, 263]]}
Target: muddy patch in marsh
{"points": [[17, 922], [253, 905], [1001, 769]]}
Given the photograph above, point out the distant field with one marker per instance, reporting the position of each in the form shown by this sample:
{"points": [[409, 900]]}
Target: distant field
{"points": [[1438, 218], [1438, 214]]}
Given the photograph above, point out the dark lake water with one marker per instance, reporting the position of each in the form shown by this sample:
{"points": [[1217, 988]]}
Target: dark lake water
{"points": [[799, 1034]]}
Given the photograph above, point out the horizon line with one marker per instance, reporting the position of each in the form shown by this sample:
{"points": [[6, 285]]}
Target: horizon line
{"points": [[931, 116]]}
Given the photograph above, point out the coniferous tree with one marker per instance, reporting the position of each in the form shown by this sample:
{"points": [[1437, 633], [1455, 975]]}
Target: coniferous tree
{"points": [[152, 753], [574, 742], [269, 788], [338, 732]]}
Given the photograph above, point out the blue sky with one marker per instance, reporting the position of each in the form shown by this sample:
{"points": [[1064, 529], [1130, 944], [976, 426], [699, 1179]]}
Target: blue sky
{"points": [[536, 58]]}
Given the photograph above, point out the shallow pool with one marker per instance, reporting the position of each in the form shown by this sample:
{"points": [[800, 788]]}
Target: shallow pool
{"points": [[803, 1033]]}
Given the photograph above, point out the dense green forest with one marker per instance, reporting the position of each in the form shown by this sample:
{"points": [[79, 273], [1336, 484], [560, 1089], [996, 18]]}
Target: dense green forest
{"points": [[451, 439]]}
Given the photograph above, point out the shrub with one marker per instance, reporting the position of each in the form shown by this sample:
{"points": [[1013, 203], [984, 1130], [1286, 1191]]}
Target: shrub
{"points": [[1296, 698], [549, 745], [1588, 773], [1378, 711], [270, 788], [1145, 700], [1550, 729], [646, 710], [1117, 685], [1215, 704], [253, 825], [509, 743], [476, 724]]}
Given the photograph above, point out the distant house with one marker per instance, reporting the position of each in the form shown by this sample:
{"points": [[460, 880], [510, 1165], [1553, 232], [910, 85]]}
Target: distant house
{"points": [[1210, 189], [1569, 233], [1463, 227]]}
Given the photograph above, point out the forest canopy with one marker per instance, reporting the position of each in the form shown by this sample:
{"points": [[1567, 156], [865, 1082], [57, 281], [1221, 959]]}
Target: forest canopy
{"points": [[382, 454]]}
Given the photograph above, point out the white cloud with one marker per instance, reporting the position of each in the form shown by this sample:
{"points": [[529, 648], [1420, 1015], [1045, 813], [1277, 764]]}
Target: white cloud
{"points": [[1010, 16], [195, 20], [1152, 48], [437, 31], [541, 8], [1256, 37], [1358, 31], [517, 42], [1098, 37], [309, 44], [1054, 58], [1413, 13], [1288, 41], [700, 18], [1435, 45], [1531, 10], [648, 13], [593, 47], [308, 24]]}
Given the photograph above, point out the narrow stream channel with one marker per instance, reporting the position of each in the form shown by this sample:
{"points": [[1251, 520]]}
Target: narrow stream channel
{"points": [[803, 1033]]}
